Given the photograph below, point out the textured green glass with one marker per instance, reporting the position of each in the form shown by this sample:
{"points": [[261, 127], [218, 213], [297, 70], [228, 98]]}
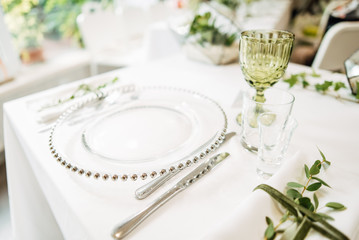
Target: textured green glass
{"points": [[264, 57]]}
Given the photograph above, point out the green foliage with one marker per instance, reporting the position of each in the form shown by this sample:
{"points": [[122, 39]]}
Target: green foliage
{"points": [[321, 181], [325, 216], [295, 78], [302, 210], [82, 90], [293, 194], [315, 169], [270, 232], [338, 85], [232, 4], [306, 170], [301, 79], [316, 201], [303, 229], [324, 86], [295, 185], [30, 20], [314, 186], [335, 205], [305, 83], [306, 202], [25, 22], [62, 14], [298, 211], [204, 30]]}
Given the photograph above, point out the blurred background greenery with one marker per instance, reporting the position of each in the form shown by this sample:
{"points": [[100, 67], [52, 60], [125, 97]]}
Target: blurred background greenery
{"points": [[31, 20]]}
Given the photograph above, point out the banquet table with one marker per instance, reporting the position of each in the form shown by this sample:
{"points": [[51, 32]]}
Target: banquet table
{"points": [[47, 201]]}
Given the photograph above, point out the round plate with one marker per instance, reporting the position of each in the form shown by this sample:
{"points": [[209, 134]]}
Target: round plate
{"points": [[144, 133], [139, 133]]}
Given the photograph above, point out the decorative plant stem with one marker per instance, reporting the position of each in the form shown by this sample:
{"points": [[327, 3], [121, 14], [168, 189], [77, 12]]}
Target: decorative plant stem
{"points": [[323, 88], [204, 30], [81, 90], [300, 209]]}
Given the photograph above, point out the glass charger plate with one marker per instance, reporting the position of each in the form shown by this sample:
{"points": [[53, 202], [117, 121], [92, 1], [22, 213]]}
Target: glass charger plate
{"points": [[137, 134]]}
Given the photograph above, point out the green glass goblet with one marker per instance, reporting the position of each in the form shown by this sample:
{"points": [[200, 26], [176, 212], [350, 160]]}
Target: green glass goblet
{"points": [[264, 57]]}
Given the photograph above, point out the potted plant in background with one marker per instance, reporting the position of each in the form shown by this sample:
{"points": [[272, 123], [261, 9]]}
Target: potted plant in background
{"points": [[30, 21], [210, 43], [24, 21]]}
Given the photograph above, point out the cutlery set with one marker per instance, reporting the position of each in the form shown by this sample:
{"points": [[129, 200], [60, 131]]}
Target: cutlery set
{"points": [[129, 225]]}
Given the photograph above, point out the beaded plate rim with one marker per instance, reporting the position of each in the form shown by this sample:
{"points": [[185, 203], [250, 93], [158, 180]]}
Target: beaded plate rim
{"points": [[218, 140]]}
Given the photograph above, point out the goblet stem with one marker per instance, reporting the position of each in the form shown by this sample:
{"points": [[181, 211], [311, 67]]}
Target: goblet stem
{"points": [[260, 96]]}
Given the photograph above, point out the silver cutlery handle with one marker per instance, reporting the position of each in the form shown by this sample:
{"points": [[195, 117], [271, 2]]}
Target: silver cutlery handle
{"points": [[129, 225], [147, 189]]}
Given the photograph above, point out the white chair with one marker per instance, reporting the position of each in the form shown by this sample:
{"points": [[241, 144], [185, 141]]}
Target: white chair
{"points": [[324, 19], [304, 54], [339, 43]]}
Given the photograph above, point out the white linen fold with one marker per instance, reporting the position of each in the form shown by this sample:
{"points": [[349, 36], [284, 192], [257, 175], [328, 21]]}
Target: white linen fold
{"points": [[51, 114], [248, 220]]}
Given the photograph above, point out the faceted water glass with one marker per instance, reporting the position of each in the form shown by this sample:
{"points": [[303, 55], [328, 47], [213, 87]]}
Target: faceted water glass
{"points": [[278, 101], [275, 132]]}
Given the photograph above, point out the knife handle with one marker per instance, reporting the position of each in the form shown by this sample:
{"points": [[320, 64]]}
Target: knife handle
{"points": [[129, 225], [146, 190]]}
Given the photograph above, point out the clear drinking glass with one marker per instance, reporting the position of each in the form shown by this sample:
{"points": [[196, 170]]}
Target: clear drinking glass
{"points": [[275, 132], [264, 57], [277, 101]]}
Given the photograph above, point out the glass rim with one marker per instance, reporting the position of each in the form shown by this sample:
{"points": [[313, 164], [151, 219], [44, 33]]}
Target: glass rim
{"points": [[290, 101], [245, 34]]}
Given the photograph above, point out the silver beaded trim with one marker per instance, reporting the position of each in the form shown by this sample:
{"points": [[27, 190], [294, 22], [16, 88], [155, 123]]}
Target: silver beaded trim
{"points": [[133, 176]]}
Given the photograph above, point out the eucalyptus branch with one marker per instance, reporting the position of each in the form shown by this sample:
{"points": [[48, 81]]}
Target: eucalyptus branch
{"points": [[282, 220], [300, 209], [317, 166], [305, 187], [281, 198]]}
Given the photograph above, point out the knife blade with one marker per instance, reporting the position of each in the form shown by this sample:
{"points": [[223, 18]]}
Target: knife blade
{"points": [[130, 224]]}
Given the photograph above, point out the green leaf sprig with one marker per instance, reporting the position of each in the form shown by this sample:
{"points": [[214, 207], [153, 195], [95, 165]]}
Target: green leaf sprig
{"points": [[204, 29], [301, 79], [301, 210], [81, 90]]}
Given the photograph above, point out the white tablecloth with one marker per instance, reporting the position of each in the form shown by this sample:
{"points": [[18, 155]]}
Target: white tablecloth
{"points": [[49, 202]]}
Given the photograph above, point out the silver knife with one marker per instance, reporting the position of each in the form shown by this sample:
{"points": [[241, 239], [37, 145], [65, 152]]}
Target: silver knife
{"points": [[147, 189], [130, 224]]}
